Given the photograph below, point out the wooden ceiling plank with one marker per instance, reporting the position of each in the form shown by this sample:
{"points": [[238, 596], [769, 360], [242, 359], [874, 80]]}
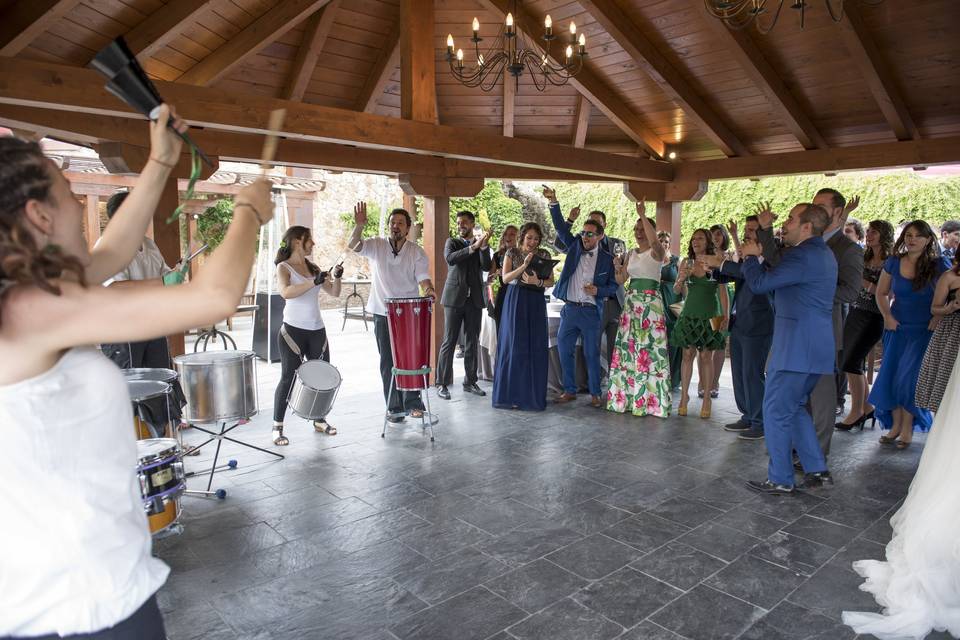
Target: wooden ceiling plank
{"points": [[582, 122], [261, 32], [588, 83], [162, 26], [509, 103], [615, 22], [314, 36], [23, 22], [386, 64], [877, 73]]}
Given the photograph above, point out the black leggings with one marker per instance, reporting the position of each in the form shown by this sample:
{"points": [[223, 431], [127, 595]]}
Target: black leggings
{"points": [[313, 346], [146, 623]]}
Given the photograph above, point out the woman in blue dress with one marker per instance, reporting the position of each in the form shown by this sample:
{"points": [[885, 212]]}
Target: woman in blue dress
{"points": [[909, 276], [520, 378]]}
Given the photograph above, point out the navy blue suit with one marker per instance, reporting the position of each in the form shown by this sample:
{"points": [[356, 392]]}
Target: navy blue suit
{"points": [[579, 321], [803, 285], [751, 333]]}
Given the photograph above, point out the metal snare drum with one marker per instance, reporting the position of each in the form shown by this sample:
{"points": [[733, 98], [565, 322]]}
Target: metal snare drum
{"points": [[162, 375], [160, 473], [152, 403], [314, 389], [219, 385]]}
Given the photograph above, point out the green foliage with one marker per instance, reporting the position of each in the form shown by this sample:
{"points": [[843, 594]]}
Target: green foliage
{"points": [[494, 210], [213, 222]]}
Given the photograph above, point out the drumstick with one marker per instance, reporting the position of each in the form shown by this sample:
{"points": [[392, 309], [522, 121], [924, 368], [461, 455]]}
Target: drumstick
{"points": [[270, 144]]}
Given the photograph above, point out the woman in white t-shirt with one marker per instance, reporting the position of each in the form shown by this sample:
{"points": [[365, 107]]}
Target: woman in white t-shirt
{"points": [[75, 544], [302, 336]]}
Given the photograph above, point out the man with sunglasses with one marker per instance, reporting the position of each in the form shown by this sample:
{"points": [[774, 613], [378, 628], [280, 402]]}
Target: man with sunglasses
{"points": [[586, 281]]}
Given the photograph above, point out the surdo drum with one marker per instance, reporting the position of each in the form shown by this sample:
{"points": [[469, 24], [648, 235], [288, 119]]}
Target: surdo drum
{"points": [[219, 385], [314, 389]]}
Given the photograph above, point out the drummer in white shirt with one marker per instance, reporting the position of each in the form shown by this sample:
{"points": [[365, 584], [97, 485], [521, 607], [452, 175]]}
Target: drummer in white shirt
{"points": [[302, 336], [400, 268]]}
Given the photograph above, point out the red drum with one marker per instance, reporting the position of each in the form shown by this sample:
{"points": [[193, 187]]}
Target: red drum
{"points": [[409, 320]]}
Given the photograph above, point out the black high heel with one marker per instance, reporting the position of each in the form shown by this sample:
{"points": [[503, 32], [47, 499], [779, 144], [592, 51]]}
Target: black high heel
{"points": [[872, 417], [858, 424]]}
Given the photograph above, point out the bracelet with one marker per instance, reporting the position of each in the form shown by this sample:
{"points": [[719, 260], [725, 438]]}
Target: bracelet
{"points": [[164, 164], [252, 208]]}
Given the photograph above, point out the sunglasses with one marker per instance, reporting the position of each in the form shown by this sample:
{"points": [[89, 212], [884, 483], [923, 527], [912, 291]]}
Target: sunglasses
{"points": [[590, 234]]}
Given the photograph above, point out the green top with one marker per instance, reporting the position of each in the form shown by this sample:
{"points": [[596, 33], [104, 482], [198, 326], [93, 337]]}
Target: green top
{"points": [[703, 299]]}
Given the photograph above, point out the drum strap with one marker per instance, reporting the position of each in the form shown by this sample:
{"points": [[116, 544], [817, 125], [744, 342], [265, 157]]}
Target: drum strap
{"points": [[293, 344]]}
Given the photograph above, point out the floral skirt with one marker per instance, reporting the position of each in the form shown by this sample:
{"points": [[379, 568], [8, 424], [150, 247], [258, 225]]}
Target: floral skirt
{"points": [[640, 370]]}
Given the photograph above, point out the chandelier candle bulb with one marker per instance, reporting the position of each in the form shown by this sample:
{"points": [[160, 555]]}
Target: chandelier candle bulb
{"points": [[476, 27], [548, 26], [569, 53], [460, 58], [583, 44], [509, 24], [450, 44]]}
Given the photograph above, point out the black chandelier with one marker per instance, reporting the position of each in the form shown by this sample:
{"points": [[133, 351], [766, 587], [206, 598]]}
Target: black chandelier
{"points": [[513, 51], [738, 14]]}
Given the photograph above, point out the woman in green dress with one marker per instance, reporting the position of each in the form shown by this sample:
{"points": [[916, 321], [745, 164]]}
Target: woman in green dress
{"points": [[701, 328], [668, 277]]}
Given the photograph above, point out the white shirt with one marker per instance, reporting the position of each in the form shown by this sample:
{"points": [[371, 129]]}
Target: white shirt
{"points": [[302, 312], [75, 543], [394, 276], [583, 275], [148, 264], [644, 265]]}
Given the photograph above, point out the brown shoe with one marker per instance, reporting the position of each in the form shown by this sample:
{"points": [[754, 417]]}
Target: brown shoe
{"points": [[564, 397], [596, 402]]}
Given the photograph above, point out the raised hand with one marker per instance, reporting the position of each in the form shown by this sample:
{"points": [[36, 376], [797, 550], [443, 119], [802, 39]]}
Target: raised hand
{"points": [[641, 209], [257, 196], [549, 194], [360, 214], [733, 229], [165, 145], [852, 204], [574, 214], [765, 215]]}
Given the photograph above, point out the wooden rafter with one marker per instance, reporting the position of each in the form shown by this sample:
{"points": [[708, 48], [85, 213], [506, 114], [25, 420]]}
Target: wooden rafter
{"points": [[72, 89], [314, 36], [509, 103], [387, 62], [282, 17], [589, 83], [877, 73], [418, 69], [622, 29], [765, 77], [22, 22], [163, 25], [581, 123]]}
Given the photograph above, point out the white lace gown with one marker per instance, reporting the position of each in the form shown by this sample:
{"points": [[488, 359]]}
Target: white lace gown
{"points": [[918, 585]]}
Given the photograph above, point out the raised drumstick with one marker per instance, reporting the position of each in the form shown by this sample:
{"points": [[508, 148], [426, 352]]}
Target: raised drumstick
{"points": [[270, 144]]}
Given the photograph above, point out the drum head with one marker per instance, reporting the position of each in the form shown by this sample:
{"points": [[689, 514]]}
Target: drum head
{"points": [[141, 390], [159, 375], [213, 357], [156, 449], [319, 375]]}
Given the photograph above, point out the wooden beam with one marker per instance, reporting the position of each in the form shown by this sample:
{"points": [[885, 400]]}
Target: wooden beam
{"points": [[163, 25], [314, 37], [888, 155], [106, 184], [622, 29], [23, 22], [739, 45], [418, 67], [509, 103], [434, 186], [876, 72], [582, 121], [591, 85], [686, 191], [387, 62], [51, 86], [279, 19], [119, 157]]}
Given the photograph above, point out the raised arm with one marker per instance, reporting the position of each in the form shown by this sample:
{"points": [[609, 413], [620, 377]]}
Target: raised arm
{"points": [[656, 249], [355, 242], [789, 272]]}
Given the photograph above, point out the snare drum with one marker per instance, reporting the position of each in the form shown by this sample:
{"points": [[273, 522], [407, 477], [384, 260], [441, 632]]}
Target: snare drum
{"points": [[314, 389], [161, 478], [409, 322], [152, 402], [169, 376]]}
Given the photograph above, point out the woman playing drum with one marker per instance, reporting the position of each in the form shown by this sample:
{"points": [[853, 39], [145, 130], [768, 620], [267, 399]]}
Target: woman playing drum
{"points": [[75, 546], [302, 336]]}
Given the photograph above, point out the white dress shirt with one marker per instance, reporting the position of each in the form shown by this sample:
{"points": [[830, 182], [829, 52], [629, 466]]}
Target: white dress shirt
{"points": [[148, 264], [394, 276], [583, 275]]}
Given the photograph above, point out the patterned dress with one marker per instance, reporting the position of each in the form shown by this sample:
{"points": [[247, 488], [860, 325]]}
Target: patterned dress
{"points": [[693, 328], [939, 359], [640, 370]]}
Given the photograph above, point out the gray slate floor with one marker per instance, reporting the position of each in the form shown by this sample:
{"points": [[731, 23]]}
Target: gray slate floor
{"points": [[573, 523]]}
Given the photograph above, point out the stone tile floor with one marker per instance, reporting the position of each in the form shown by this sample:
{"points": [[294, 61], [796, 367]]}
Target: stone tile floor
{"points": [[573, 523]]}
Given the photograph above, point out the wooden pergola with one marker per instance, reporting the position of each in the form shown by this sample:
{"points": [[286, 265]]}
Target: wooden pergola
{"points": [[367, 88]]}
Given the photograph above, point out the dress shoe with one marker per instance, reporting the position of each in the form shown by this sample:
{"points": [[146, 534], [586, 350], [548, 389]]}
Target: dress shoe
{"points": [[770, 488], [596, 402], [751, 434], [395, 417], [564, 398], [736, 427], [474, 389], [443, 392], [816, 479]]}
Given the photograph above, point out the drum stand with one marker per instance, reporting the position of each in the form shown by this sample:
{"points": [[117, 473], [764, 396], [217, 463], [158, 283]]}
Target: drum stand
{"points": [[427, 419], [220, 437]]}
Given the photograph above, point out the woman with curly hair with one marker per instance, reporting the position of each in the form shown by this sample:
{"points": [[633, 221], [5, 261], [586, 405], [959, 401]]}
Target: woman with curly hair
{"points": [[910, 276], [701, 328], [82, 562]]}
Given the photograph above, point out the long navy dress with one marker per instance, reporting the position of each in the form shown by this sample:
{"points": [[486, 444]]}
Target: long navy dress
{"points": [[520, 378], [903, 349]]}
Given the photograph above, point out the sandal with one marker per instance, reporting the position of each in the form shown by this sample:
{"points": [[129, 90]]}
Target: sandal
{"points": [[278, 438], [322, 426], [887, 440], [416, 413], [903, 445]]}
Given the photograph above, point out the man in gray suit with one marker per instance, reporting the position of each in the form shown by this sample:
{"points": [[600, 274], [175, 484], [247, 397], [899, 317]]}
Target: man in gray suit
{"points": [[463, 301], [849, 256]]}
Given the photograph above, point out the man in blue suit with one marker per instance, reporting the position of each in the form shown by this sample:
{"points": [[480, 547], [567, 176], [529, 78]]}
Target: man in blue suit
{"points": [[803, 285], [751, 333], [586, 281]]}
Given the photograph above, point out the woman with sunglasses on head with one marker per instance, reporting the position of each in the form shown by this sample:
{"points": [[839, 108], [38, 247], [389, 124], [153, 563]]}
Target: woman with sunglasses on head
{"points": [[76, 548]]}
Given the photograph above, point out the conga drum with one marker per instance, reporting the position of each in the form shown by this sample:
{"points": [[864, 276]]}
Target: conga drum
{"points": [[409, 320]]}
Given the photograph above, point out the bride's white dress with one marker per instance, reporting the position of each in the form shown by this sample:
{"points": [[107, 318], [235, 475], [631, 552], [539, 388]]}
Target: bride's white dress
{"points": [[919, 584]]}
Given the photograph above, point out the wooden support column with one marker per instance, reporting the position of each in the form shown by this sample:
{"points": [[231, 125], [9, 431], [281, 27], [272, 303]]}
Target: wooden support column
{"points": [[418, 64], [167, 237], [93, 219], [669, 197], [668, 219]]}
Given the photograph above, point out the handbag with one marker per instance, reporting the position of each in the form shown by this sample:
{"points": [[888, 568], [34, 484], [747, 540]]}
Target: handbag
{"points": [[716, 322], [677, 308]]}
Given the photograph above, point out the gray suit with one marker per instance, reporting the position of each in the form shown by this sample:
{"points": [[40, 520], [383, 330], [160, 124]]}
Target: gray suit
{"points": [[849, 255], [463, 301]]}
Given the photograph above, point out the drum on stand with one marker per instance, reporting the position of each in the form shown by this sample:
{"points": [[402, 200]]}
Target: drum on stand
{"points": [[162, 482], [314, 390], [152, 403], [409, 321]]}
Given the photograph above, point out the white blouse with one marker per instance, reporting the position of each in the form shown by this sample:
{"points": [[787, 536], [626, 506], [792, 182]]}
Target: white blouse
{"points": [[302, 312], [75, 543], [643, 265]]}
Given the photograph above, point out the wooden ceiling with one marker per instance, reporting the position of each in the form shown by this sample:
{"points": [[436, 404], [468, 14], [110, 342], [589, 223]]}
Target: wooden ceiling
{"points": [[662, 74]]}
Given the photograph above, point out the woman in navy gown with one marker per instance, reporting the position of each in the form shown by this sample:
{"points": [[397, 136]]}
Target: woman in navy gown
{"points": [[520, 379], [909, 276]]}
